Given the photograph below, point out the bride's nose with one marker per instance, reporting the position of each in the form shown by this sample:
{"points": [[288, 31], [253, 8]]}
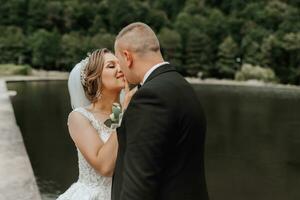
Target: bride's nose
{"points": [[119, 69]]}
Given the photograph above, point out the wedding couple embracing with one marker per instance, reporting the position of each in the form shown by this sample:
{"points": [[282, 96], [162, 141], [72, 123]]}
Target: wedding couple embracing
{"points": [[155, 150]]}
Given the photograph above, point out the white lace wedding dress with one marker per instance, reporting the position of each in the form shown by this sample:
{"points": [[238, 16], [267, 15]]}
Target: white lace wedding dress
{"points": [[90, 185]]}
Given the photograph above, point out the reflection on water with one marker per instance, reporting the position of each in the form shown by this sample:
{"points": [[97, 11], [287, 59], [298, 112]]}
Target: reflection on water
{"points": [[253, 142], [252, 146], [41, 110]]}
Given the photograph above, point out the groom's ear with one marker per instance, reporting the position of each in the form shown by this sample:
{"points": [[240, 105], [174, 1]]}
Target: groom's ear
{"points": [[128, 58]]}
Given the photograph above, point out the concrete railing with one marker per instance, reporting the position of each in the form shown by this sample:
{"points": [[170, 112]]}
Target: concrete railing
{"points": [[17, 181]]}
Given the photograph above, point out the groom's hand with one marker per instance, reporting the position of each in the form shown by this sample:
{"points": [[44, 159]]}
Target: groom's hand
{"points": [[128, 95]]}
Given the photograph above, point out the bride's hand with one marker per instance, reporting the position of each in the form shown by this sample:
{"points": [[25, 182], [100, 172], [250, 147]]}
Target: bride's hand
{"points": [[128, 95]]}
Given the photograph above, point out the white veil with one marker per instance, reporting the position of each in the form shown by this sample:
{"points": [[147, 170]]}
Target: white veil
{"points": [[76, 91]]}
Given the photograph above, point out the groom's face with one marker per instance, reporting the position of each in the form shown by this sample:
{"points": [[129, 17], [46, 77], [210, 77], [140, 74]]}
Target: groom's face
{"points": [[125, 61]]}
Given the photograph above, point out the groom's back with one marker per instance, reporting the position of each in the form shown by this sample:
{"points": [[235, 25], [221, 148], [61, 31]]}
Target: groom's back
{"points": [[183, 176]]}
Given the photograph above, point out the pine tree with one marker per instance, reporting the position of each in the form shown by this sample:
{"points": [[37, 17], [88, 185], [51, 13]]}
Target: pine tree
{"points": [[170, 42], [198, 53], [227, 55]]}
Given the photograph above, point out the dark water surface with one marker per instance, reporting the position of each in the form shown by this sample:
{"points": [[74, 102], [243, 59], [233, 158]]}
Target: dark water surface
{"points": [[252, 146]]}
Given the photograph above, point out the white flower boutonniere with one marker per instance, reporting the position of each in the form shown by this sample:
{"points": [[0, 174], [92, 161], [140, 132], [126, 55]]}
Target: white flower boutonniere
{"points": [[115, 117]]}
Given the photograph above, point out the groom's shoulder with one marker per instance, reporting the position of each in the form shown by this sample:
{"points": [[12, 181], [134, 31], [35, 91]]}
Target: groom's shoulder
{"points": [[166, 83], [171, 79]]}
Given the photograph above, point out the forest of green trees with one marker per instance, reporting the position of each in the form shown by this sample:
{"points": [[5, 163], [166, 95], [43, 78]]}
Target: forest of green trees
{"points": [[214, 37]]}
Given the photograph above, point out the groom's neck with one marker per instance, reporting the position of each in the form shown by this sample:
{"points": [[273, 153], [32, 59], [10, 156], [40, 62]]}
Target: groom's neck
{"points": [[146, 63]]}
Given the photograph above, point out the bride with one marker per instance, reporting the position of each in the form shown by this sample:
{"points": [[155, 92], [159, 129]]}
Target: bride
{"points": [[94, 85]]}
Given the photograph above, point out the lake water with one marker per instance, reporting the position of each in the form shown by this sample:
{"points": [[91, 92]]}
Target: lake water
{"points": [[252, 145]]}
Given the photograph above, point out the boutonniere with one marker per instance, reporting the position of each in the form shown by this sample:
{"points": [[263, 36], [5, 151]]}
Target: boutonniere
{"points": [[115, 118]]}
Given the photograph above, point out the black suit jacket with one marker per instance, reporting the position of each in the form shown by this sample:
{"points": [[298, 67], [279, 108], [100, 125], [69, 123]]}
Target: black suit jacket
{"points": [[161, 142]]}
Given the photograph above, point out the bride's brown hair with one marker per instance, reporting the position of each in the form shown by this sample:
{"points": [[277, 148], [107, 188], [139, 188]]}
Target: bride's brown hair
{"points": [[92, 75]]}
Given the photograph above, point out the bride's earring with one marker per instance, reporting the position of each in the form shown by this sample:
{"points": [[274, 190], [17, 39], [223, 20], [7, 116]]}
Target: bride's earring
{"points": [[99, 92], [99, 95]]}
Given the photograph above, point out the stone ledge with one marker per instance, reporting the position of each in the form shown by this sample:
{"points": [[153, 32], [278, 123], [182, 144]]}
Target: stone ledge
{"points": [[17, 181]]}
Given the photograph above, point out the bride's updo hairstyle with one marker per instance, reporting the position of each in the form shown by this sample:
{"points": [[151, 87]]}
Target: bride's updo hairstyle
{"points": [[91, 74]]}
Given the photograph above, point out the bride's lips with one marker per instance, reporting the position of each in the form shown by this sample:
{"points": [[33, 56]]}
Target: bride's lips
{"points": [[120, 76]]}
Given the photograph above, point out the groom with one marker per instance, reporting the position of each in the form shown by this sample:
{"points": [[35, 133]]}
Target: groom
{"points": [[161, 138]]}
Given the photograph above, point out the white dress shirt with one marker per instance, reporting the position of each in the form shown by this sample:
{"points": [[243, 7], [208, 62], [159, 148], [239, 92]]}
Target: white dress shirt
{"points": [[151, 70]]}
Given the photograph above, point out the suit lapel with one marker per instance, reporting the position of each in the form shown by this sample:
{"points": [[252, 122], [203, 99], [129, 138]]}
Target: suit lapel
{"points": [[162, 69]]}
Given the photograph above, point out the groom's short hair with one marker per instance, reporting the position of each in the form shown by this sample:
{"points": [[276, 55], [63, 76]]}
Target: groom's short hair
{"points": [[138, 37]]}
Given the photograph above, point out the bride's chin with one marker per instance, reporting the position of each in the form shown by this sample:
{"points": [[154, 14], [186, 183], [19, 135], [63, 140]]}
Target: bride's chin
{"points": [[121, 87]]}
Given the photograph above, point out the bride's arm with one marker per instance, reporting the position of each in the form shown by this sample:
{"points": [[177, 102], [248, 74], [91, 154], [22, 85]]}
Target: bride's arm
{"points": [[101, 156]]}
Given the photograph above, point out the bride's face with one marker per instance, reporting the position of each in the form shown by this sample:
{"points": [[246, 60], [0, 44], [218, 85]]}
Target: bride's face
{"points": [[112, 76]]}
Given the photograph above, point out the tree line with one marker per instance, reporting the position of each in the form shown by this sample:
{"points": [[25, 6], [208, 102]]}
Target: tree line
{"points": [[213, 37]]}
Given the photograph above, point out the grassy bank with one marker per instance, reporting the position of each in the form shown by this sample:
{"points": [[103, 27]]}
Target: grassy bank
{"points": [[251, 83], [12, 69], [12, 72]]}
